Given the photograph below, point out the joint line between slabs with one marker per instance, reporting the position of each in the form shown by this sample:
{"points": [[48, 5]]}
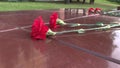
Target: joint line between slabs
{"points": [[88, 51]]}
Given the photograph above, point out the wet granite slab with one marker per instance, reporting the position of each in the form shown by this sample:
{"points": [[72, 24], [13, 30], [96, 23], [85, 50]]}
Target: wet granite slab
{"points": [[24, 18], [18, 50]]}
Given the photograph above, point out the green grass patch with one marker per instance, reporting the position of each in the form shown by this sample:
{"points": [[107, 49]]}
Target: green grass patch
{"points": [[13, 6], [107, 2]]}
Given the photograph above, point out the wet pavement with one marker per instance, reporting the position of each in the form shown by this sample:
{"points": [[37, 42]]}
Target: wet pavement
{"points": [[94, 49]]}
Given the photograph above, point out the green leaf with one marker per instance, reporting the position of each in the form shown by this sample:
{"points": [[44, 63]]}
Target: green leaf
{"points": [[81, 31]]}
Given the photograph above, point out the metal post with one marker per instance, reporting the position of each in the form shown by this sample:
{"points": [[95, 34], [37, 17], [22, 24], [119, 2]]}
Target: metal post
{"points": [[118, 8], [67, 1], [78, 0], [92, 1], [83, 1]]}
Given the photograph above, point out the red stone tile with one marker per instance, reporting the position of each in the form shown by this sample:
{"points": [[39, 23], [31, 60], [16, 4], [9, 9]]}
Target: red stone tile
{"points": [[18, 50], [25, 18], [66, 57], [14, 50], [5, 26], [104, 42], [97, 39]]}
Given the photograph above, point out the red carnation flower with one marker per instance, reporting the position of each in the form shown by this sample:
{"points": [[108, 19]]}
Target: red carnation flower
{"points": [[90, 11], [39, 29], [98, 10], [53, 20]]}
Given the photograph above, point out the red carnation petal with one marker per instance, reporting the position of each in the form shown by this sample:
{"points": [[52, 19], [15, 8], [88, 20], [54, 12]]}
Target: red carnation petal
{"points": [[97, 10], [90, 11], [39, 29], [53, 20], [55, 15]]}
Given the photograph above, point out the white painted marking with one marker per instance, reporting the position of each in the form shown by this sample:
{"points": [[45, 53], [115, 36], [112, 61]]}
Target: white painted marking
{"points": [[28, 26], [9, 30], [113, 11]]}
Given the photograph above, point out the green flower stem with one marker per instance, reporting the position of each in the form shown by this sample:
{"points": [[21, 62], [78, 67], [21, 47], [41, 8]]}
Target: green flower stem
{"points": [[113, 13], [83, 30], [75, 25], [115, 25], [62, 23], [99, 28], [69, 31], [50, 32], [97, 24]]}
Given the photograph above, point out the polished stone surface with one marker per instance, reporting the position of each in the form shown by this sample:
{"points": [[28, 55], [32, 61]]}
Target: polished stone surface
{"points": [[18, 50]]}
